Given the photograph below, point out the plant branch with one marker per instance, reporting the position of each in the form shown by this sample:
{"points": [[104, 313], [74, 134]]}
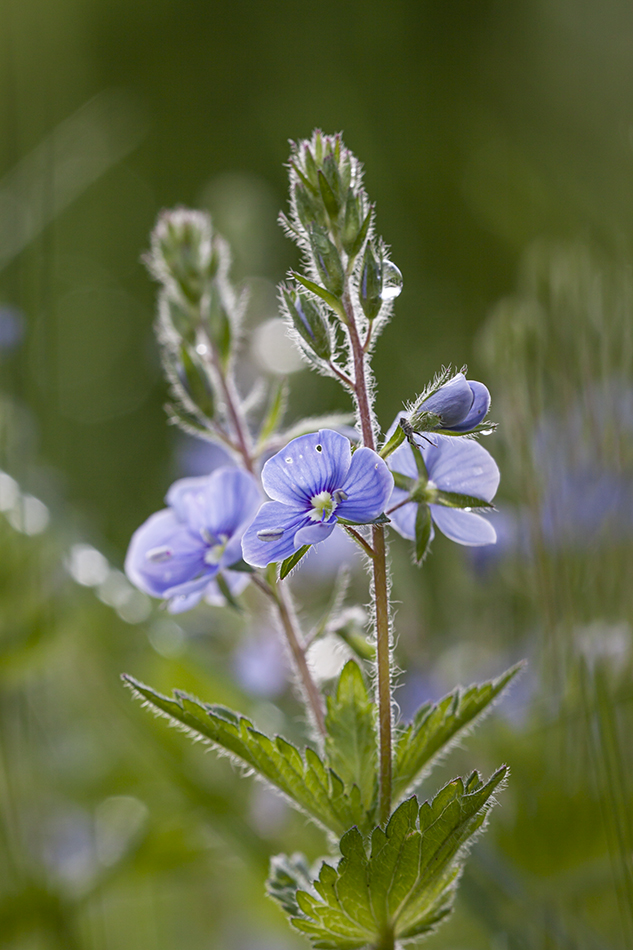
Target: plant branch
{"points": [[288, 621], [379, 561]]}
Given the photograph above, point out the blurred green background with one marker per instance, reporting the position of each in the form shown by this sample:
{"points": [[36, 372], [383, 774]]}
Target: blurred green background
{"points": [[497, 139]]}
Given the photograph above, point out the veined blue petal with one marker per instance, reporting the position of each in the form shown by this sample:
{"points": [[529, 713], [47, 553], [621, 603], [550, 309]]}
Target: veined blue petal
{"points": [[366, 489], [313, 533], [306, 466], [215, 504], [461, 465], [162, 553], [452, 402], [271, 536], [464, 527], [478, 410]]}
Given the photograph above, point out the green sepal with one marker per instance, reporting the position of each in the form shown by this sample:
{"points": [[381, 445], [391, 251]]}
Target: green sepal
{"points": [[309, 208], [351, 742], [327, 260], [380, 519], [323, 293], [226, 593], [425, 422], [331, 202], [220, 329], [305, 779], [452, 499], [291, 562], [183, 318], [392, 443], [356, 245], [311, 168], [242, 566], [309, 322], [370, 284], [437, 726], [332, 175], [351, 221], [403, 481], [405, 886], [423, 529], [195, 380]]}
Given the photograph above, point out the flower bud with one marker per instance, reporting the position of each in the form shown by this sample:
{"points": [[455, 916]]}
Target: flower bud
{"points": [[309, 207], [371, 284], [182, 251], [219, 325], [327, 261], [195, 380], [308, 321]]}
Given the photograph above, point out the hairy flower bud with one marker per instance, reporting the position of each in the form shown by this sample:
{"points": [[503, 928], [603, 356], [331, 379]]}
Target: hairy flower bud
{"points": [[370, 289], [327, 261], [308, 321], [182, 252], [195, 380]]}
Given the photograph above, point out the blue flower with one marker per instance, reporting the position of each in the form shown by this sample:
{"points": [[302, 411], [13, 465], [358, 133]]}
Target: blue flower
{"points": [[460, 404], [455, 467], [179, 552], [313, 482]]}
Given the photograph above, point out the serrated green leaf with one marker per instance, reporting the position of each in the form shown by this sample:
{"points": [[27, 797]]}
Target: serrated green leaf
{"points": [[436, 726], [406, 885], [288, 874], [313, 787], [351, 744]]}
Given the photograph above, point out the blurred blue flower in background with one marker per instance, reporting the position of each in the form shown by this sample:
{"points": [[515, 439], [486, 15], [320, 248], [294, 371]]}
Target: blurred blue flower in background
{"points": [[185, 552], [314, 481]]}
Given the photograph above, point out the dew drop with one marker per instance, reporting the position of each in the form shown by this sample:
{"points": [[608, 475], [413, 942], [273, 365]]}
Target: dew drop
{"points": [[288, 460], [202, 349], [319, 448], [467, 509], [391, 281], [270, 534]]}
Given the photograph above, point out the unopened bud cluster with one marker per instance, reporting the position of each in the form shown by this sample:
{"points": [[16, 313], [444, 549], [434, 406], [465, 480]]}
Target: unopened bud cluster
{"points": [[348, 277], [197, 312]]}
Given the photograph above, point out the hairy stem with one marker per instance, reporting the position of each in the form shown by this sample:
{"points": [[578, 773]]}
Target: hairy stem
{"points": [[379, 563], [281, 600], [288, 620]]}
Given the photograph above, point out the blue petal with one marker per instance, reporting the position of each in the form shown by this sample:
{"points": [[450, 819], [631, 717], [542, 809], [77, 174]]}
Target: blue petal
{"points": [[275, 519], [478, 410], [368, 486], [464, 527], [403, 519], [306, 466], [402, 460], [175, 554], [452, 402], [216, 504], [462, 466], [313, 533]]}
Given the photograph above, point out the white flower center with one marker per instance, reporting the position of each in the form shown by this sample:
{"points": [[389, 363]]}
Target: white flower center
{"points": [[323, 506], [213, 554]]}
